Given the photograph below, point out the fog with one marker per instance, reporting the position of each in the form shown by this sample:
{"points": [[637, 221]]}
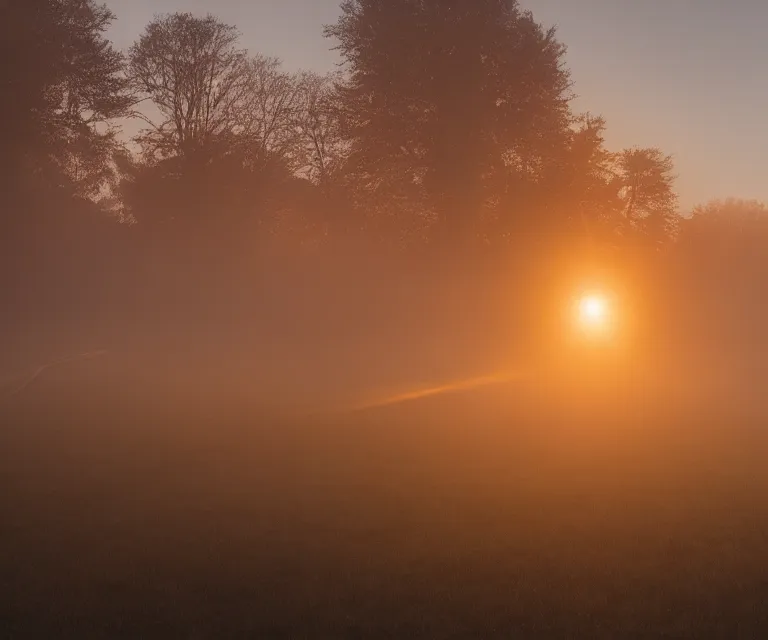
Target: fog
{"points": [[307, 356]]}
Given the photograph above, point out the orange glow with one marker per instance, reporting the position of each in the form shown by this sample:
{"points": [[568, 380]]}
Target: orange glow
{"points": [[457, 387], [593, 310], [594, 313]]}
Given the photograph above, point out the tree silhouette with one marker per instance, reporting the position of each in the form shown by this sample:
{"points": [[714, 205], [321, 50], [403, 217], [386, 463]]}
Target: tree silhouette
{"points": [[726, 231], [225, 142], [56, 124], [194, 74], [450, 106], [449, 123], [581, 196], [317, 122], [647, 189], [266, 125]]}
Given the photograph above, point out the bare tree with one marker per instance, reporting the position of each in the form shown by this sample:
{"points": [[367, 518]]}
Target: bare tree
{"points": [[266, 121], [193, 72], [318, 126]]}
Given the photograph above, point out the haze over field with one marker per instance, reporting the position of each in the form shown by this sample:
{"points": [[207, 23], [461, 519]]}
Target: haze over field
{"points": [[418, 346]]}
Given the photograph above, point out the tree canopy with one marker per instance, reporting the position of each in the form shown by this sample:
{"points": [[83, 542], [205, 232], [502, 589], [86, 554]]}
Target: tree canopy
{"points": [[63, 98], [194, 74], [449, 123], [458, 107]]}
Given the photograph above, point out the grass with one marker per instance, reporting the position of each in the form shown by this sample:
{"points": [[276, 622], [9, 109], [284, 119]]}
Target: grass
{"points": [[544, 509]]}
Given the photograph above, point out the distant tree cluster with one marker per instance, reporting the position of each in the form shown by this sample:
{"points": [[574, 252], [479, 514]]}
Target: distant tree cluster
{"points": [[448, 124]]}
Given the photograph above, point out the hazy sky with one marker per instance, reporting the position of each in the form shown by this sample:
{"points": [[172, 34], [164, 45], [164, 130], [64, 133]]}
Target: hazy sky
{"points": [[690, 76]]}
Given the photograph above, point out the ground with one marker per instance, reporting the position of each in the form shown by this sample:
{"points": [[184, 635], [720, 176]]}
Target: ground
{"points": [[544, 508]]}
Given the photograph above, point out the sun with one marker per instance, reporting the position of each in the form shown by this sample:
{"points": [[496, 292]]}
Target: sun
{"points": [[593, 311]]}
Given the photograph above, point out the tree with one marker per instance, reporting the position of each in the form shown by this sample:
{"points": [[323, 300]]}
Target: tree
{"points": [[723, 250], [647, 190], [65, 86], [267, 121], [321, 154], [450, 106], [317, 123], [226, 141], [586, 184], [197, 78], [193, 73], [731, 229]]}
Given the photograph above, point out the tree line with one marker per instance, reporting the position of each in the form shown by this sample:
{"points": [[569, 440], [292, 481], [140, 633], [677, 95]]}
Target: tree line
{"points": [[450, 123]]}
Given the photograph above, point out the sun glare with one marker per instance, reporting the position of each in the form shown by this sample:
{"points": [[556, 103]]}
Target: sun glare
{"points": [[593, 311]]}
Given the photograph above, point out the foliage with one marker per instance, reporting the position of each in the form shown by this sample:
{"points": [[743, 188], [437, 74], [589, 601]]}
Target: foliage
{"points": [[726, 229], [56, 128], [647, 189], [451, 106], [450, 123]]}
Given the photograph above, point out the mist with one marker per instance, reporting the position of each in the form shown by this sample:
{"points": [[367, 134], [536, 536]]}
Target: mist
{"points": [[308, 355]]}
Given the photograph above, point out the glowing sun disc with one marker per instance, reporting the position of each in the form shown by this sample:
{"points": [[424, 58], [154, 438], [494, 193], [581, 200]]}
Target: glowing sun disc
{"points": [[593, 310]]}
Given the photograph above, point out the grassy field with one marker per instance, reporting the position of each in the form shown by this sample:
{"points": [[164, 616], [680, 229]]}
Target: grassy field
{"points": [[555, 507]]}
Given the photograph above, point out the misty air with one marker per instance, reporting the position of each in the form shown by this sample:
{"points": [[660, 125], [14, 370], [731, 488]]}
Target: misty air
{"points": [[383, 319]]}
